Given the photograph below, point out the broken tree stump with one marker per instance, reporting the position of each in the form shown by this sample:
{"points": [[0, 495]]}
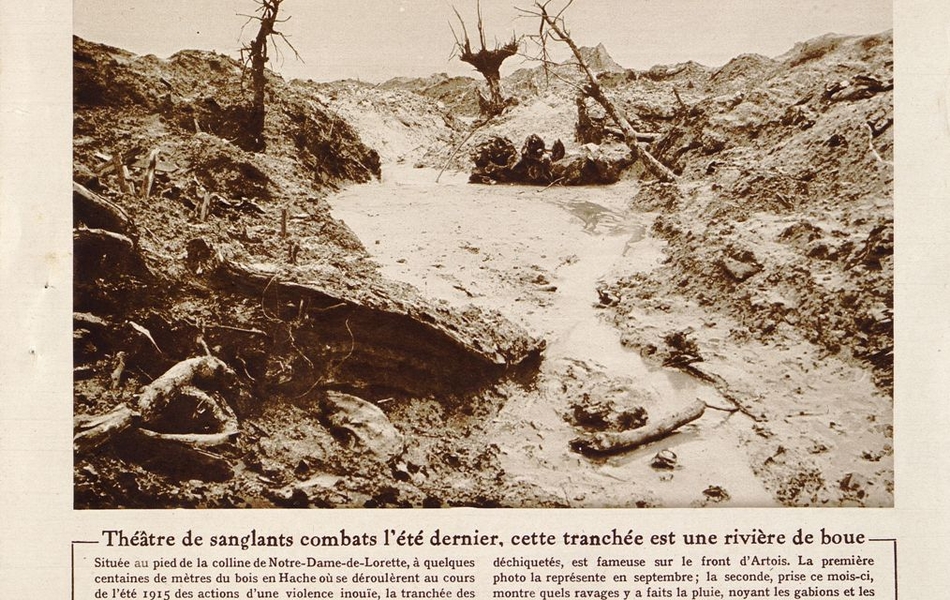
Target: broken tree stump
{"points": [[614, 442], [149, 179]]}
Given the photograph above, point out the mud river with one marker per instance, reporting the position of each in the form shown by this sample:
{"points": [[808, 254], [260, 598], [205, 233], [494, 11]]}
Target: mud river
{"points": [[536, 255]]}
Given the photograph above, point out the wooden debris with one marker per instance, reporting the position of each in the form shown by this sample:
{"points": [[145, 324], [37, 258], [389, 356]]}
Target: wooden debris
{"points": [[104, 238], [149, 180], [158, 394], [205, 207], [120, 172], [143, 331], [614, 442], [558, 32], [119, 369]]}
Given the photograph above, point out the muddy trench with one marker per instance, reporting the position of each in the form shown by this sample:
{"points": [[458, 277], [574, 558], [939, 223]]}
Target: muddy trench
{"points": [[537, 256]]}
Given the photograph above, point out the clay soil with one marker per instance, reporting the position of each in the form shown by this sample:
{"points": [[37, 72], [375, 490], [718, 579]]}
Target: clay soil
{"points": [[398, 341]]}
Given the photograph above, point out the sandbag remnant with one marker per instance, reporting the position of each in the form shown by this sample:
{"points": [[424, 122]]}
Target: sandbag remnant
{"points": [[359, 423]]}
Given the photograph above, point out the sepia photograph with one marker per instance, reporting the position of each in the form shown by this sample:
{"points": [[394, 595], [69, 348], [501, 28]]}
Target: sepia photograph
{"points": [[433, 254]]}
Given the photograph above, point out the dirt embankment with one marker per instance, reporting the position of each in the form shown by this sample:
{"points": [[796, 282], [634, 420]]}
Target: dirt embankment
{"points": [[188, 245], [780, 246]]}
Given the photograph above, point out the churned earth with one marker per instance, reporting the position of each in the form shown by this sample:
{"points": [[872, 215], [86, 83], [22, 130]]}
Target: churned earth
{"points": [[397, 336]]}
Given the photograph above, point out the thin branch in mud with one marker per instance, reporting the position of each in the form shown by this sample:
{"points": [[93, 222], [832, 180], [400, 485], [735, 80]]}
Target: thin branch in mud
{"points": [[240, 329], [873, 150], [459, 147], [550, 185], [327, 308], [352, 346], [263, 295], [138, 328], [203, 344], [244, 367], [720, 385], [731, 409]]}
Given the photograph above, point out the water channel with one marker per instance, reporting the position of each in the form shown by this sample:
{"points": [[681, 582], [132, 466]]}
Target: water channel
{"points": [[536, 255]]}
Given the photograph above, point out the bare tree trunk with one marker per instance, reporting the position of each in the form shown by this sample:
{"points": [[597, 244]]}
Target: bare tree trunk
{"points": [[254, 55], [258, 50], [487, 62], [496, 101]]}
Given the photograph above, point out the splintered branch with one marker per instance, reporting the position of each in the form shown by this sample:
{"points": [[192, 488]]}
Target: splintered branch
{"points": [[552, 28]]}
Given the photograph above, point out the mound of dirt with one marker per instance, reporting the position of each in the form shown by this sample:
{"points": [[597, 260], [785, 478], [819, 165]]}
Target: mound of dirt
{"points": [[455, 95]]}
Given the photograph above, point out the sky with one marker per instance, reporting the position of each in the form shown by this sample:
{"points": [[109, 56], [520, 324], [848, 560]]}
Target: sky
{"points": [[374, 40]]}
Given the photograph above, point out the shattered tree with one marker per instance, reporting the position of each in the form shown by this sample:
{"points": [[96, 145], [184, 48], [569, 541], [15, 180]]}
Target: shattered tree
{"points": [[254, 56], [487, 62], [552, 28]]}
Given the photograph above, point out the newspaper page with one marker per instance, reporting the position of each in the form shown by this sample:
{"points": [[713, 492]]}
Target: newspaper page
{"points": [[638, 299]]}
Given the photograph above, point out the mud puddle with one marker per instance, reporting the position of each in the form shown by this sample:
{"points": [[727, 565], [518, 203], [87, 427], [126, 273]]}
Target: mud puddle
{"points": [[536, 255]]}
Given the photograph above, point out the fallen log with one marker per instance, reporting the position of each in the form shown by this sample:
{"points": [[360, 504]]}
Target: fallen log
{"points": [[92, 431], [614, 442]]}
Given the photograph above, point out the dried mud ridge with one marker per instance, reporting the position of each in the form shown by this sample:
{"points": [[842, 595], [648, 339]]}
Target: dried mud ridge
{"points": [[339, 387]]}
